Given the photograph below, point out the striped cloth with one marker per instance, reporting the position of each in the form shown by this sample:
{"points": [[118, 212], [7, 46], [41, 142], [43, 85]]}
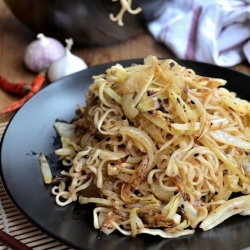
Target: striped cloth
{"points": [[212, 31]]}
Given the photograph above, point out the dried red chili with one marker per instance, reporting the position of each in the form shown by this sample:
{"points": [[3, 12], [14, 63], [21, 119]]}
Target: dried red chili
{"points": [[38, 82], [35, 87], [14, 88]]}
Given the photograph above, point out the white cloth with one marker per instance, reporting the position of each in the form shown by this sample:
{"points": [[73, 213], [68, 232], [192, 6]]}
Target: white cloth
{"points": [[211, 31]]}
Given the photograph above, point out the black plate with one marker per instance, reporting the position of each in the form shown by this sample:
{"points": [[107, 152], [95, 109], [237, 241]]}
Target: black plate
{"points": [[31, 131]]}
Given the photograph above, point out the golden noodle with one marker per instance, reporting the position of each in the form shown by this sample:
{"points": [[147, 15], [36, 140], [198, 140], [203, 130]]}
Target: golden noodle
{"points": [[125, 6], [159, 150]]}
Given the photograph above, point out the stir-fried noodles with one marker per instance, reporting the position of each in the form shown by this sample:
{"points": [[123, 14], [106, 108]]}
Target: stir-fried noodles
{"points": [[159, 150], [125, 6]]}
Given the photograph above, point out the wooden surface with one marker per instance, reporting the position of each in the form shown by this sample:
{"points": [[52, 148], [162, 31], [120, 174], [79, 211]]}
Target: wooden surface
{"points": [[14, 38]]}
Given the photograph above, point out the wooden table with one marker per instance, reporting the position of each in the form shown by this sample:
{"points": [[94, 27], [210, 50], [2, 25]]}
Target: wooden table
{"points": [[14, 38]]}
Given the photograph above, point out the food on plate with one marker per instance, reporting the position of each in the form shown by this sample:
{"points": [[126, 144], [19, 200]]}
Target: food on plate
{"points": [[45, 169], [158, 149]]}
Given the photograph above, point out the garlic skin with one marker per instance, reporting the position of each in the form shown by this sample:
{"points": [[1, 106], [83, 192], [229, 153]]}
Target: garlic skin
{"points": [[40, 53], [66, 65]]}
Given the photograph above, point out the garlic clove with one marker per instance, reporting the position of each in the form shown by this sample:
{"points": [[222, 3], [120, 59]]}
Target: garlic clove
{"points": [[66, 65]]}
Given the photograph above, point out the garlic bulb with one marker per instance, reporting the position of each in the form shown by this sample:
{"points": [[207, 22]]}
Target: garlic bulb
{"points": [[66, 65], [40, 53]]}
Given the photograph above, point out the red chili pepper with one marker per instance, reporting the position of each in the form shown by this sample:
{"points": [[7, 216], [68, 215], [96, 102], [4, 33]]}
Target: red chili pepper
{"points": [[14, 88], [35, 87], [38, 82]]}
